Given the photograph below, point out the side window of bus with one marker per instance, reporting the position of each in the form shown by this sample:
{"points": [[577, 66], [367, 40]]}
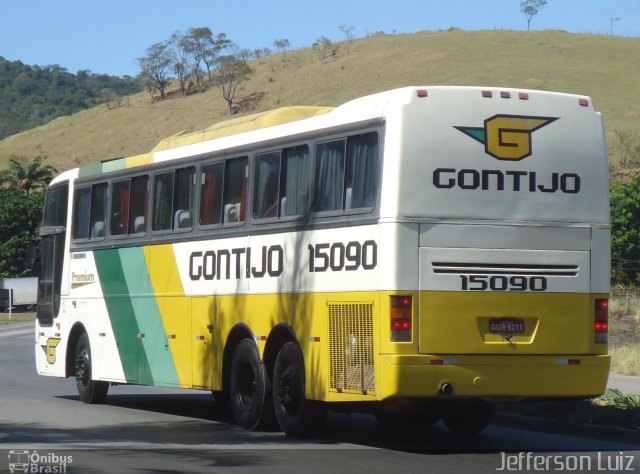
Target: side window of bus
{"points": [[174, 199], [281, 183], [362, 171], [329, 176], [235, 190], [90, 211], [211, 182], [346, 182], [129, 206]]}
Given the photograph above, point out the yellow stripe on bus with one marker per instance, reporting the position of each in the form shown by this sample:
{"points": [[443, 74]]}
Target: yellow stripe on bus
{"points": [[174, 307]]}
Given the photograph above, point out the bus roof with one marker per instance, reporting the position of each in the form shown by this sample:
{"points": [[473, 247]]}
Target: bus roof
{"points": [[225, 128]]}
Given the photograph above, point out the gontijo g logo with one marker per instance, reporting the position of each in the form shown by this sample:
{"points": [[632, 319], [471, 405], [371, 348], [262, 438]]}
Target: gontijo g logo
{"points": [[507, 137]]}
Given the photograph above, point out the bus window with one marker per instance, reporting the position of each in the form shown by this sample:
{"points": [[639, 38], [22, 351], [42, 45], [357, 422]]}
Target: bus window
{"points": [[89, 212], [81, 213], [120, 208], [329, 176], [295, 187], [211, 194], [343, 184], [266, 184], [184, 198], [162, 201], [55, 209], [129, 206], [362, 171], [281, 183], [139, 199], [98, 211], [235, 190]]}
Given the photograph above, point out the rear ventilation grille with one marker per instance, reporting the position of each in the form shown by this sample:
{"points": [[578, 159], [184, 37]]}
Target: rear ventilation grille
{"points": [[506, 269], [351, 347]]}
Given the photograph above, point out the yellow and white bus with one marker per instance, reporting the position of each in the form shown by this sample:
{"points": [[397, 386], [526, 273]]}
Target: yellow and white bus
{"points": [[414, 253]]}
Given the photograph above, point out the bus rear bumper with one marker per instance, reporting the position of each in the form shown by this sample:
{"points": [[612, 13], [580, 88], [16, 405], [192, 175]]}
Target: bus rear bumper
{"points": [[427, 376]]}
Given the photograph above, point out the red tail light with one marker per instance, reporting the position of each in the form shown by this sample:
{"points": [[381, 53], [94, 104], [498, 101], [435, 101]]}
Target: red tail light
{"points": [[601, 321], [401, 317]]}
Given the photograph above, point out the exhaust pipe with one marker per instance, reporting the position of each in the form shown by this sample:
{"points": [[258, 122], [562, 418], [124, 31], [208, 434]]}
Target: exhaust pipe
{"points": [[445, 389]]}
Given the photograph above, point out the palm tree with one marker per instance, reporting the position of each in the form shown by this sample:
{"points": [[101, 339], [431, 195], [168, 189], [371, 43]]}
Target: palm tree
{"points": [[27, 176]]}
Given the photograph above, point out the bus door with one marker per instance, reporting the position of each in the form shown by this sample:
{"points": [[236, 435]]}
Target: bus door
{"points": [[52, 250]]}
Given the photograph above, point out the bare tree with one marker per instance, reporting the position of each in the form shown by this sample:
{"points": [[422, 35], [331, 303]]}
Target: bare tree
{"points": [[200, 42], [218, 44], [530, 8], [231, 73], [348, 33], [326, 47], [181, 47], [281, 45], [155, 66]]}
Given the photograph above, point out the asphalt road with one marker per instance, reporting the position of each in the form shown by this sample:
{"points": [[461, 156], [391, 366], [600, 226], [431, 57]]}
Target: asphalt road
{"points": [[146, 429]]}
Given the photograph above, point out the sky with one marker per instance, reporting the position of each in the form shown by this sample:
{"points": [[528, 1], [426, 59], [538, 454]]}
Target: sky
{"points": [[107, 37]]}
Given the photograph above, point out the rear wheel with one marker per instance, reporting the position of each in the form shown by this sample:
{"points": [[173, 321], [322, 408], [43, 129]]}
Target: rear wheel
{"points": [[90, 391], [297, 416], [468, 416], [250, 389]]}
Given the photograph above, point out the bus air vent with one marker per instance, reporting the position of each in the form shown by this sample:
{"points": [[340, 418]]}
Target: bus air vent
{"points": [[351, 347]]}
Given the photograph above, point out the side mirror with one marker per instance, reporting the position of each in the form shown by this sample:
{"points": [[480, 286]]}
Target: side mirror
{"points": [[32, 254]]}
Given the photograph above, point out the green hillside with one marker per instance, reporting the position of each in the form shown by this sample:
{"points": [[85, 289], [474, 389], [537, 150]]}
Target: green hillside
{"points": [[603, 67]]}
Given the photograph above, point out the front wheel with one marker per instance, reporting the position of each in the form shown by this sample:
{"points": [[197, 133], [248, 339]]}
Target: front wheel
{"points": [[90, 391], [296, 415]]}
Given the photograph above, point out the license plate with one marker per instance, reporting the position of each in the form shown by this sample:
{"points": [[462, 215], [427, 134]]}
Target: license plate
{"points": [[506, 325]]}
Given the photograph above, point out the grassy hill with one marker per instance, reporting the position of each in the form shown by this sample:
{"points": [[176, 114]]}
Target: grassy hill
{"points": [[603, 67]]}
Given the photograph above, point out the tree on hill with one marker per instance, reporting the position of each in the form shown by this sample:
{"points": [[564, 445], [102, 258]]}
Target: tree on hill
{"points": [[29, 176], [180, 47], [155, 66], [530, 8], [231, 73]]}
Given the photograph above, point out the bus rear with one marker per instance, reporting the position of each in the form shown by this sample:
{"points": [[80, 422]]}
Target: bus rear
{"points": [[499, 199]]}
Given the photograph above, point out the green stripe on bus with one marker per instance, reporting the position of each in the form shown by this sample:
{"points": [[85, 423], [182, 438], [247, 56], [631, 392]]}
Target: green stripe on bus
{"points": [[92, 169], [121, 314], [135, 317]]}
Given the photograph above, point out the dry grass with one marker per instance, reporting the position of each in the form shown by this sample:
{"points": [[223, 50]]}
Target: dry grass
{"points": [[16, 318], [603, 67]]}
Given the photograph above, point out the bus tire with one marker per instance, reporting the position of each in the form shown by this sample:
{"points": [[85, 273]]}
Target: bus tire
{"points": [[250, 390], [297, 416], [467, 417], [90, 391]]}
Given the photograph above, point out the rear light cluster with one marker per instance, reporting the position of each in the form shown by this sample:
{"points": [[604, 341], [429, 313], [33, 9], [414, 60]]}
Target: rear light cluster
{"points": [[401, 317], [601, 322]]}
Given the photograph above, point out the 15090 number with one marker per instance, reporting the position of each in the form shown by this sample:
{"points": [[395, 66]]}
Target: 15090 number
{"points": [[503, 283], [338, 256]]}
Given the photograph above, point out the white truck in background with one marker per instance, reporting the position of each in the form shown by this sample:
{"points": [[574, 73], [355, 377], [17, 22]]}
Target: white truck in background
{"points": [[24, 294]]}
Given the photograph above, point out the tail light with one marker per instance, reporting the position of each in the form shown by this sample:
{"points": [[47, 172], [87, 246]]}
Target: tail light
{"points": [[401, 317], [601, 322]]}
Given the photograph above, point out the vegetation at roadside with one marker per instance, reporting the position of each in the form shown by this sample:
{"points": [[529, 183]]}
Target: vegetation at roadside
{"points": [[611, 409], [21, 212], [16, 318]]}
